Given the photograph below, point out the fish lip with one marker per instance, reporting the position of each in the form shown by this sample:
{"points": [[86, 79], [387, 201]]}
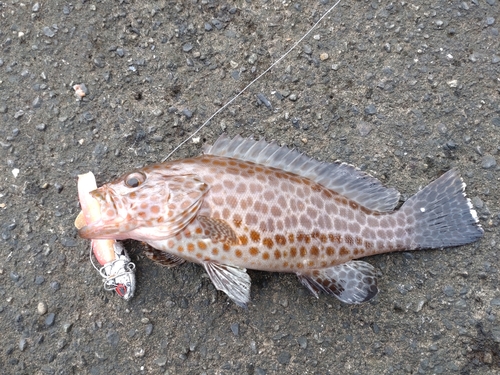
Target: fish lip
{"points": [[98, 229]]}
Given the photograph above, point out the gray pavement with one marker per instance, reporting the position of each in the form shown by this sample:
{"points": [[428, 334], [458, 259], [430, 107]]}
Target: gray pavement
{"points": [[402, 90]]}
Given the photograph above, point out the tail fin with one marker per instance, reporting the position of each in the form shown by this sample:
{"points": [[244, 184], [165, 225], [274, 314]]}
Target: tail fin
{"points": [[441, 215]]}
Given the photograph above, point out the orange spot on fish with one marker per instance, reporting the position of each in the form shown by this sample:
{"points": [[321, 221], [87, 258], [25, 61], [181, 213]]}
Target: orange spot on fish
{"points": [[237, 220], [291, 238], [238, 253], [265, 256], [348, 239], [180, 249], [314, 251], [277, 254], [268, 243], [226, 247], [190, 247], [219, 162], [198, 255], [253, 251], [344, 251], [202, 245], [215, 251], [303, 251], [243, 240], [280, 239], [255, 236], [198, 230], [330, 251]]}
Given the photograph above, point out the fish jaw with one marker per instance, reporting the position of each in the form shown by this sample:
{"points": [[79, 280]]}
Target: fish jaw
{"points": [[109, 224], [103, 231]]}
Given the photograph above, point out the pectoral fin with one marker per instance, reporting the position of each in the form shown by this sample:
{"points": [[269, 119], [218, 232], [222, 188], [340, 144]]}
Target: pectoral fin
{"points": [[352, 282], [234, 281], [217, 230]]}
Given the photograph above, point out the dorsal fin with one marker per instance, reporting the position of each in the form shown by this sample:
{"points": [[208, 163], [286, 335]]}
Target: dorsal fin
{"points": [[339, 177]]}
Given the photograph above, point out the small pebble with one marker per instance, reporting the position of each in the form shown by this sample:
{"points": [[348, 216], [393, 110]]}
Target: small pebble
{"points": [[42, 308], [23, 344], [302, 342], [364, 128], [14, 276], [161, 361], [284, 358], [324, 56], [187, 47], [235, 328], [49, 320], [67, 327], [186, 112], [113, 338], [55, 285], [370, 109], [48, 32], [80, 90], [40, 127], [264, 100], [39, 280], [488, 161]]}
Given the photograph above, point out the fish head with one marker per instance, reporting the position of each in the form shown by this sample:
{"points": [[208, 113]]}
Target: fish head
{"points": [[145, 204]]}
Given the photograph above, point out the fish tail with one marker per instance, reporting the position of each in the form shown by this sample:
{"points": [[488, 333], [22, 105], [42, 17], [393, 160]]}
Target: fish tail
{"points": [[440, 215]]}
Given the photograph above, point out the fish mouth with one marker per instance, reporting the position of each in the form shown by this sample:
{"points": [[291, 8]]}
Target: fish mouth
{"points": [[110, 228]]}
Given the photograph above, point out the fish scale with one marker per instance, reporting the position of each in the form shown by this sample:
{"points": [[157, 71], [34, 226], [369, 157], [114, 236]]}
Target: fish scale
{"points": [[252, 204]]}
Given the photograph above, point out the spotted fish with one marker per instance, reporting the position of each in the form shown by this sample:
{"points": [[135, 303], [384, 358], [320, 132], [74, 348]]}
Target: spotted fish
{"points": [[252, 204]]}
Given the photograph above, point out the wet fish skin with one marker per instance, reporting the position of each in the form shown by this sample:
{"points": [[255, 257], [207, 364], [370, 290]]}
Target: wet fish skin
{"points": [[250, 204]]}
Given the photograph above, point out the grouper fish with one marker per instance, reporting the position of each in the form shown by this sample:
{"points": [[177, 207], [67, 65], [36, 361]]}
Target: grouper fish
{"points": [[247, 204]]}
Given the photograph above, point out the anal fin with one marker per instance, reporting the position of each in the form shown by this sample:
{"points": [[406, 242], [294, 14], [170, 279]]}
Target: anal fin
{"points": [[162, 257], [234, 281], [352, 282]]}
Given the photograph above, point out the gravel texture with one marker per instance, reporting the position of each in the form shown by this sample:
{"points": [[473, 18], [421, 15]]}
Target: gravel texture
{"points": [[402, 90]]}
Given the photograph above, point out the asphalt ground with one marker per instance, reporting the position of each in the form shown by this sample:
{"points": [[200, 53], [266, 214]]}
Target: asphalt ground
{"points": [[404, 91]]}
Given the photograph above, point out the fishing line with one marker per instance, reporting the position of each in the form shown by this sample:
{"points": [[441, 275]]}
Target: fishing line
{"points": [[251, 83]]}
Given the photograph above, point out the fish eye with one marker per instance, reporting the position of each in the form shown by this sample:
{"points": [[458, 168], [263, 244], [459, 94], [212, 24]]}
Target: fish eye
{"points": [[135, 179]]}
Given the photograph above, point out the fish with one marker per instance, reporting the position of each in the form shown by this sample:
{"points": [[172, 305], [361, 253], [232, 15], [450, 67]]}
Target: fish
{"points": [[247, 204]]}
